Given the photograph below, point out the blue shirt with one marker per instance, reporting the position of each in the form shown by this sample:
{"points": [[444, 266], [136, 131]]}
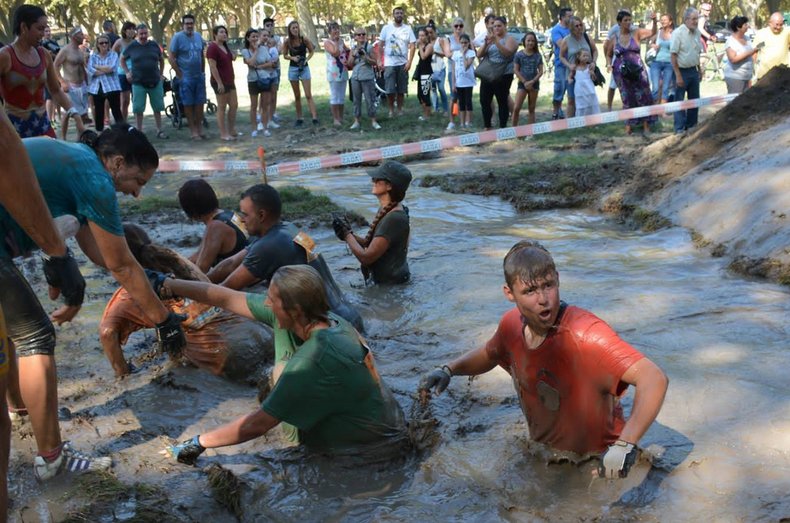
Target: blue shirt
{"points": [[558, 33], [189, 53], [74, 182]]}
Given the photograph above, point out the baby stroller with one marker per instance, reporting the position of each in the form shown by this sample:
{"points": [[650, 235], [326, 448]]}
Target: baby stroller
{"points": [[175, 111]]}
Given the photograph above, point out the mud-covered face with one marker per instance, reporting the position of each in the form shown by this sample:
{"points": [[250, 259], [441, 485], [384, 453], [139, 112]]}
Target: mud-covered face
{"points": [[538, 301]]}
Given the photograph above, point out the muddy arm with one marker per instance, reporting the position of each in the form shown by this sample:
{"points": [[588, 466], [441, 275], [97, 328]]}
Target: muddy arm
{"points": [[651, 386], [224, 268], [251, 426], [473, 363], [210, 294], [368, 256]]}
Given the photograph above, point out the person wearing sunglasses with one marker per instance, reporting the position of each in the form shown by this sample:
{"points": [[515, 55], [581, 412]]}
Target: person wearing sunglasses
{"points": [[451, 45], [104, 85], [361, 60]]}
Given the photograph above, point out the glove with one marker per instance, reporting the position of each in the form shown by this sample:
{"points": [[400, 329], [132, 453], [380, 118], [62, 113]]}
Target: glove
{"points": [[439, 378], [618, 459], [63, 274], [188, 451], [157, 280], [170, 335], [341, 226]]}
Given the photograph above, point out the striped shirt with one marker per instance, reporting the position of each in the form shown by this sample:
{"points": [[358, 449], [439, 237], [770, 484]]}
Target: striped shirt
{"points": [[108, 82]]}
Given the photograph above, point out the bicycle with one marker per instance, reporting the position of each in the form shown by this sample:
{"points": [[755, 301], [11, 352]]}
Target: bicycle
{"points": [[712, 63]]}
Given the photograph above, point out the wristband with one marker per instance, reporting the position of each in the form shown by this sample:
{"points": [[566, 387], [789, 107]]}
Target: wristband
{"points": [[447, 369]]}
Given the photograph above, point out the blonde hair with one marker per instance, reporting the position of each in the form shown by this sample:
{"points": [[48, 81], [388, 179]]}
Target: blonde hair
{"points": [[301, 287]]}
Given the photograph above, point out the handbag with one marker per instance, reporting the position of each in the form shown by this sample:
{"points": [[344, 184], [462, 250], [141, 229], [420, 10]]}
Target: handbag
{"points": [[631, 71], [598, 79], [489, 71], [263, 84]]}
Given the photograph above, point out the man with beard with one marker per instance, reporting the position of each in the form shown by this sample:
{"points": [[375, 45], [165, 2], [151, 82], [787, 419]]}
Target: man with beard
{"points": [[399, 40]]}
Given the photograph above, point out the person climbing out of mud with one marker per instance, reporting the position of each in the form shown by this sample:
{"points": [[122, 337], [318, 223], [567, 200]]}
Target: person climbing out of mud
{"points": [[330, 389], [225, 234], [382, 252], [568, 366], [224, 344], [78, 180], [279, 244]]}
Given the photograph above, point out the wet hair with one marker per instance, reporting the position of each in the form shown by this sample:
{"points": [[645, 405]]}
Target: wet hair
{"points": [[156, 257], [528, 261], [121, 139], [197, 198], [126, 26], [26, 14], [187, 16], [396, 196], [247, 37], [737, 22], [622, 14], [265, 197], [524, 40], [564, 11], [300, 286], [216, 31]]}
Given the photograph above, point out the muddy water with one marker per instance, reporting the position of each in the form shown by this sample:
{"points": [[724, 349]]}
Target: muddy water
{"points": [[723, 341]]}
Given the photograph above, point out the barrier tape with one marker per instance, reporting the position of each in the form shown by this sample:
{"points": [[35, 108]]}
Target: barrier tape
{"points": [[449, 142]]}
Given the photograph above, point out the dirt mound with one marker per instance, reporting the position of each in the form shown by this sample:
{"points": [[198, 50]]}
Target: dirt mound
{"points": [[759, 108]]}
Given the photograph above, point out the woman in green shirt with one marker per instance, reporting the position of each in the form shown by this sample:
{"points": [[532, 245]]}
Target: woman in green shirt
{"points": [[329, 390]]}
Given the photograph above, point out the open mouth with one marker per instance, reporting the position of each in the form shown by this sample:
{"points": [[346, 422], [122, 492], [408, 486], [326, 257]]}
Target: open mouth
{"points": [[545, 315]]}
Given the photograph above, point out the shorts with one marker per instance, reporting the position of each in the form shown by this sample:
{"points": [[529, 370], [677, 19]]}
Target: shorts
{"points": [[126, 87], [275, 75], [299, 73], [535, 86], [254, 90], [78, 94], [228, 88], [156, 94], [47, 94], [396, 80], [193, 90], [3, 346], [560, 82], [27, 324]]}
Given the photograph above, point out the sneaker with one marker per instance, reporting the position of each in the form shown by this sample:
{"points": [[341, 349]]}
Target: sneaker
{"points": [[276, 117], [274, 125], [267, 133], [254, 134], [450, 126], [315, 122], [69, 460], [376, 126], [355, 125], [260, 125], [468, 125], [555, 116], [299, 123], [420, 118]]}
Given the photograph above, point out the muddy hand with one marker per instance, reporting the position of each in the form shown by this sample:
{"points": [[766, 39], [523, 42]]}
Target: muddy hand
{"points": [[341, 226], [64, 314], [63, 274], [170, 335], [439, 378], [617, 461], [186, 452], [157, 281]]}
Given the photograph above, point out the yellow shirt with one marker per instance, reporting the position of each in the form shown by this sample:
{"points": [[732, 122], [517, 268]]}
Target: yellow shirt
{"points": [[775, 51], [687, 44]]}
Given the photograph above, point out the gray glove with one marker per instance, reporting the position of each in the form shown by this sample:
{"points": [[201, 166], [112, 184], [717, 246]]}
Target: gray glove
{"points": [[618, 459], [187, 451], [438, 378]]}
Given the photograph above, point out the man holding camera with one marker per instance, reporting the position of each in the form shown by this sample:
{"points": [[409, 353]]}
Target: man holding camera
{"points": [[363, 78]]}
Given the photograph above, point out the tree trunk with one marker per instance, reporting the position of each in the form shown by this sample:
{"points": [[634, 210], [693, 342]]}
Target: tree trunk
{"points": [[128, 12], [672, 10], [611, 13], [750, 8], [305, 18], [528, 14], [7, 10]]}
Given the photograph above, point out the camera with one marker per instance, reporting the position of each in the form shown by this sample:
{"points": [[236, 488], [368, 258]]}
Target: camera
{"points": [[302, 62], [359, 52]]}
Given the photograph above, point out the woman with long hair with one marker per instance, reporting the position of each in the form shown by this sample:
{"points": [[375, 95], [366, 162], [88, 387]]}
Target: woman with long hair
{"points": [[25, 68], [528, 68], [662, 76], [104, 84], [424, 72], [128, 32], [452, 44], [298, 51], [220, 61], [256, 55], [336, 71], [382, 252]]}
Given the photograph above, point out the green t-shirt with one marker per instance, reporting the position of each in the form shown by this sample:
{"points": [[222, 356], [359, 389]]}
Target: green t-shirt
{"points": [[327, 389], [392, 267]]}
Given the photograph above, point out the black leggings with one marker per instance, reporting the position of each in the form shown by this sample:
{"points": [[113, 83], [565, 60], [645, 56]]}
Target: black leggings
{"points": [[500, 90], [464, 96], [114, 97], [27, 324]]}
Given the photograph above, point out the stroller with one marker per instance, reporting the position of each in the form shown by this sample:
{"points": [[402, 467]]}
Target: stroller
{"points": [[175, 111]]}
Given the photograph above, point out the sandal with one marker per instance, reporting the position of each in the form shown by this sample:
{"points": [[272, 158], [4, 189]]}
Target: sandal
{"points": [[161, 135]]}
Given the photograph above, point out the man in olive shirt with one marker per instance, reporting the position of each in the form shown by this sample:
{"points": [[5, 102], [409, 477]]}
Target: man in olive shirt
{"points": [[685, 48], [330, 390]]}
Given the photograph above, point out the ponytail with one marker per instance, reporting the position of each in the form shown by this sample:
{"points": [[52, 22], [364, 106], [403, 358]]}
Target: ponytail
{"points": [[121, 139]]}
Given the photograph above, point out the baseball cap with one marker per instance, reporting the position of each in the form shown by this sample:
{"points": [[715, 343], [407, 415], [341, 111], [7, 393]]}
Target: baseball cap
{"points": [[394, 172]]}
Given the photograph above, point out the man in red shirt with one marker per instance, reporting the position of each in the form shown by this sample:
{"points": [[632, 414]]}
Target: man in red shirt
{"points": [[568, 366]]}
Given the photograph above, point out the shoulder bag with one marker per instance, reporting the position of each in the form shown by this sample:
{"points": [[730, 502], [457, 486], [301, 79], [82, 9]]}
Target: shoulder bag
{"points": [[489, 71], [599, 79]]}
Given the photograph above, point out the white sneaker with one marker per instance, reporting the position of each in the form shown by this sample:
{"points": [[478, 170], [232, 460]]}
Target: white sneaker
{"points": [[422, 118], [355, 125], [376, 126], [69, 460], [260, 125], [267, 133], [254, 134], [450, 126], [274, 125]]}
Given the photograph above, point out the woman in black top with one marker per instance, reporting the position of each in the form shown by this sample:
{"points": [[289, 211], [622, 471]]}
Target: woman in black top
{"points": [[424, 73], [225, 233], [383, 250], [299, 51]]}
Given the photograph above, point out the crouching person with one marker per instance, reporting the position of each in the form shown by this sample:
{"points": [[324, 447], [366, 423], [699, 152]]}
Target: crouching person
{"points": [[329, 390], [568, 366]]}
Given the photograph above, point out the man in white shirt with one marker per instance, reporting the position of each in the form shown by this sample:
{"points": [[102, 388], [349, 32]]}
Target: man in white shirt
{"points": [[398, 40], [685, 48], [481, 27]]}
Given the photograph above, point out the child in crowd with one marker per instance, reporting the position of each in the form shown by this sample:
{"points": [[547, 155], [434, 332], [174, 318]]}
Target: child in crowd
{"points": [[274, 54], [464, 71], [586, 97], [528, 68]]}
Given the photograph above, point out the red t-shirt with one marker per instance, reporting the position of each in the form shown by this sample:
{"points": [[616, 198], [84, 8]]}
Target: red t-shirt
{"points": [[569, 387], [224, 63]]}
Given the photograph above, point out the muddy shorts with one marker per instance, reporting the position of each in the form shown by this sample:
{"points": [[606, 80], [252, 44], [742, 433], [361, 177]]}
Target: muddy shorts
{"points": [[27, 324]]}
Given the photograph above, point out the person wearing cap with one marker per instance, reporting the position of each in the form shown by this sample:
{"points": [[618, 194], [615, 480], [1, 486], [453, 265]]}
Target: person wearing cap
{"points": [[74, 80], [382, 252], [481, 27]]}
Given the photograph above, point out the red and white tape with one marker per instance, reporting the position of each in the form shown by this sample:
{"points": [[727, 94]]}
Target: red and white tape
{"points": [[449, 142]]}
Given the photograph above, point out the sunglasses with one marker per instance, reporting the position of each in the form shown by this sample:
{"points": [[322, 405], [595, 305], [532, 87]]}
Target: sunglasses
{"points": [[104, 43], [458, 25], [361, 34]]}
